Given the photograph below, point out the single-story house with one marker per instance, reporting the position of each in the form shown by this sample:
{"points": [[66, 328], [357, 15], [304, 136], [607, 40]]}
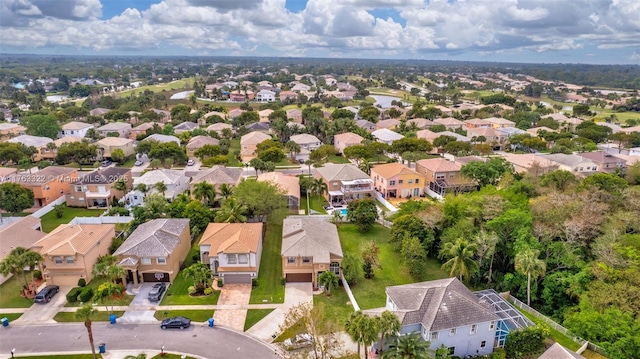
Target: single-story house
{"points": [[195, 143], [386, 136], [344, 140], [163, 138]]}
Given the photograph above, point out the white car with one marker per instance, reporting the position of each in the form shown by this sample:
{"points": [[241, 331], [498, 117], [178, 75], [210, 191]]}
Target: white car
{"points": [[298, 342], [191, 162]]}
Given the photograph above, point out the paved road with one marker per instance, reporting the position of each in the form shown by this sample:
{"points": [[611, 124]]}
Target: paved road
{"points": [[198, 339]]}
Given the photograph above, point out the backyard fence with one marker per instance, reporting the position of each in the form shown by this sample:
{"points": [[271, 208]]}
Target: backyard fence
{"points": [[102, 220], [378, 196], [347, 289], [48, 208]]}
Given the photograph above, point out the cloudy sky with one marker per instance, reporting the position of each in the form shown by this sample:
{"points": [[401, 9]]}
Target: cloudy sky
{"points": [[575, 31]]}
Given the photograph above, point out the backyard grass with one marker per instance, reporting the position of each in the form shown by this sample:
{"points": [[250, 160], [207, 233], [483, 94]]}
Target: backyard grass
{"points": [[200, 315], [370, 293], [234, 148], [557, 336], [338, 159], [11, 316], [178, 294], [50, 221], [315, 202], [94, 284], [10, 294], [270, 288], [101, 316], [254, 316]]}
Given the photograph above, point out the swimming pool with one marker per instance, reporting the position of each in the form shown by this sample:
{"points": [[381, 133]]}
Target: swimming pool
{"points": [[343, 212]]}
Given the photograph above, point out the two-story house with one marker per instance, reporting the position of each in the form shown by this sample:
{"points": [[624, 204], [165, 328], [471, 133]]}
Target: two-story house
{"points": [[344, 140], [345, 182], [32, 141], [22, 232], [498, 122], [75, 128], [576, 164], [107, 145], [395, 180], [10, 130], [265, 96], [386, 136], [217, 176], [122, 128], [249, 144], [476, 123], [307, 144], [233, 250], [48, 184], [71, 250], [449, 122], [310, 246], [443, 176], [48, 152], [606, 162], [289, 183], [96, 189], [175, 182], [195, 143]]}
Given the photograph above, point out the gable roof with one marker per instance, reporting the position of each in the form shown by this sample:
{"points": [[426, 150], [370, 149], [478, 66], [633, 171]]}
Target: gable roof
{"points": [[156, 238], [114, 126], [199, 141], [254, 138], [348, 137], [218, 127], [310, 237], [365, 124], [386, 135], [557, 351], [304, 138], [114, 141], [71, 239], [341, 172], [448, 121], [165, 176], [217, 175], [439, 165], [187, 126], [163, 138], [389, 170], [45, 175], [76, 125], [232, 237]]}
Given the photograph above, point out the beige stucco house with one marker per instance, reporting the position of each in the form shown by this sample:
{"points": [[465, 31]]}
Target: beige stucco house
{"points": [[344, 140], [107, 145], [249, 143]]}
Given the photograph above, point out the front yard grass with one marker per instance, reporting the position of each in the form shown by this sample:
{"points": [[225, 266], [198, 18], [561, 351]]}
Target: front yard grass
{"points": [[10, 294], [270, 288], [254, 316], [11, 316], [196, 315], [50, 221], [336, 308], [101, 316], [370, 293], [178, 291], [94, 284]]}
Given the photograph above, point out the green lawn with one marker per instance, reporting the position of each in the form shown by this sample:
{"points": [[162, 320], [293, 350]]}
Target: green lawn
{"points": [[270, 288], [194, 315], [11, 316], [370, 293], [173, 85], [68, 356], [10, 294], [254, 316], [234, 148], [316, 203], [178, 294], [50, 221], [335, 306], [338, 159], [101, 316], [557, 336], [129, 163], [95, 283]]}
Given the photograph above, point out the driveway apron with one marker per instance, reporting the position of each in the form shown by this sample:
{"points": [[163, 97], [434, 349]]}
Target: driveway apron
{"points": [[44, 313], [236, 298], [140, 310]]}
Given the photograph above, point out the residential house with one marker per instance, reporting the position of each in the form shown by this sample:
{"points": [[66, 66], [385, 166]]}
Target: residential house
{"points": [[162, 138], [98, 111], [449, 122], [218, 127], [285, 95], [389, 124], [345, 182], [249, 143], [491, 136], [576, 164], [310, 246], [123, 129], [195, 143], [50, 154], [155, 251], [222, 115], [445, 313], [531, 163], [75, 128], [264, 115], [142, 129], [300, 87], [217, 176], [107, 145], [395, 180], [430, 135], [366, 125], [32, 141], [233, 251], [11, 130], [443, 176], [241, 96], [557, 351], [21, 232], [265, 96], [606, 162], [7, 173], [263, 127], [95, 189], [477, 123], [48, 184], [386, 136], [235, 113], [534, 131], [289, 183], [184, 127], [344, 140], [420, 123], [498, 122], [294, 114], [307, 144], [165, 116], [71, 250], [175, 181]]}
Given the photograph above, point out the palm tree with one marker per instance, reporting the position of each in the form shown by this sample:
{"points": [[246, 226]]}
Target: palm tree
{"points": [[17, 260], [527, 262], [204, 192], [409, 346], [120, 185], [329, 280], [319, 187], [388, 324], [368, 328], [200, 273], [85, 313], [351, 327], [160, 187], [225, 190], [366, 166], [139, 356], [460, 255], [231, 212], [107, 267], [141, 187], [293, 148]]}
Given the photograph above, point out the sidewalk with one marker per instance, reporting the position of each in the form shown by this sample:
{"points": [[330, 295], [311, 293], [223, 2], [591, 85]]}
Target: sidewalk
{"points": [[109, 354]]}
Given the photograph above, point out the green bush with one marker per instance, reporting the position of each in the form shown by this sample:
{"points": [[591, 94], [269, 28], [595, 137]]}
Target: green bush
{"points": [[72, 296], [82, 282], [85, 295], [191, 289], [208, 291], [37, 274], [254, 282], [498, 353], [525, 341], [220, 283], [283, 281]]}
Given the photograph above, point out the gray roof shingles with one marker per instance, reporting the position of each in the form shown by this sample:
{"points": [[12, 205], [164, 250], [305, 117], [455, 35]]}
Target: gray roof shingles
{"points": [[156, 238]]}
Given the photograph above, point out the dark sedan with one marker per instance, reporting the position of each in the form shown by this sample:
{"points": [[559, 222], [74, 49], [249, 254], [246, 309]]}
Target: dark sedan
{"points": [[176, 322], [156, 292]]}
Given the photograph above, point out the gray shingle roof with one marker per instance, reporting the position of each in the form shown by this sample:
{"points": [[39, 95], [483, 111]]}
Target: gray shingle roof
{"points": [[341, 172], [156, 238], [217, 175], [310, 237]]}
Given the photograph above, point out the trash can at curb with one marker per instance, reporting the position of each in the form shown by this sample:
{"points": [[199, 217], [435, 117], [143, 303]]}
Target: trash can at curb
{"points": [[112, 318], [102, 348], [5, 322], [211, 321]]}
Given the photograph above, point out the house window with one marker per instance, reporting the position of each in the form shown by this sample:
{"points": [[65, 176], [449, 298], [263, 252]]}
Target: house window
{"points": [[57, 260], [306, 260], [434, 336], [231, 258], [400, 181], [334, 267], [473, 329], [483, 344], [161, 260], [70, 259], [452, 331], [392, 183], [452, 350], [335, 184], [146, 260], [291, 260], [78, 188], [492, 325], [243, 258], [410, 181], [417, 180]]}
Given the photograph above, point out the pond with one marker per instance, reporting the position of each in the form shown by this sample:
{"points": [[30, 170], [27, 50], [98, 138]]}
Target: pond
{"points": [[384, 101], [181, 95]]}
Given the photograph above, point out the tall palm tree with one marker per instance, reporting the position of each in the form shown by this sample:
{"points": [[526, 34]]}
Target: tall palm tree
{"points": [[225, 190], [329, 280], [368, 328], [388, 324], [319, 187], [141, 187], [351, 327], [204, 192], [409, 346], [293, 148], [160, 187], [120, 185], [85, 313], [231, 212], [527, 262], [460, 258]]}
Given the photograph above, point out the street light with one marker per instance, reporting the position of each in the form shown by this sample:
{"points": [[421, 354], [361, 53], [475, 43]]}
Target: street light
{"points": [[12, 351]]}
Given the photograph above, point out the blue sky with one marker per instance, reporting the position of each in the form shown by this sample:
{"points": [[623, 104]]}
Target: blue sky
{"points": [[539, 31]]}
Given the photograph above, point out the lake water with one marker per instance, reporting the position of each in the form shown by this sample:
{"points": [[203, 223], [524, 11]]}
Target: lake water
{"points": [[181, 95], [384, 101], [57, 98]]}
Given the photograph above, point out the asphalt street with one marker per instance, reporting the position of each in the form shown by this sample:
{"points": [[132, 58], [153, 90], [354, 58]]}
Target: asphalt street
{"points": [[198, 339]]}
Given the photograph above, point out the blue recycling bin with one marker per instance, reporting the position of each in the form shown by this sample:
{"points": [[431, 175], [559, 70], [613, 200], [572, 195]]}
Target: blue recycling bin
{"points": [[5, 322], [112, 318], [102, 348], [211, 322]]}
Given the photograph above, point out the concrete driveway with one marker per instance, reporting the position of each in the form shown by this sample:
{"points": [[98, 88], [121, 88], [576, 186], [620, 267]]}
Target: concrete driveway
{"points": [[234, 299], [44, 313], [140, 310]]}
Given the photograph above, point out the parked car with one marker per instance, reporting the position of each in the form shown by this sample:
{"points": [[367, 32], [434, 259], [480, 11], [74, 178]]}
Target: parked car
{"points": [[45, 295], [138, 163], [298, 342], [175, 322], [156, 292], [191, 163], [106, 163]]}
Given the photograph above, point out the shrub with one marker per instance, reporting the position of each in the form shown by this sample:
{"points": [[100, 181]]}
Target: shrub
{"points": [[86, 294], [498, 353], [195, 257], [283, 281], [254, 282], [191, 289], [208, 291], [220, 283], [82, 282], [524, 342], [72, 296], [37, 274]]}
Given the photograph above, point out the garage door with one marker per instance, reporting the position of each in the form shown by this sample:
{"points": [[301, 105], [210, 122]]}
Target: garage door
{"points": [[155, 277], [237, 279], [299, 277]]}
